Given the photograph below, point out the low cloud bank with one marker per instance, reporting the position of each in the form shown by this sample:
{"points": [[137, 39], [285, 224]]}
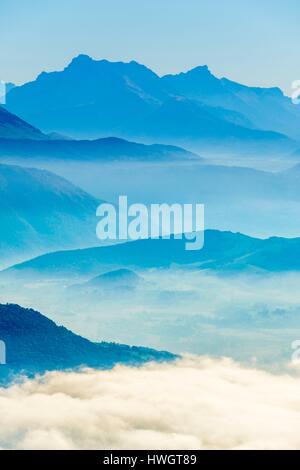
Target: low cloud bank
{"points": [[195, 403]]}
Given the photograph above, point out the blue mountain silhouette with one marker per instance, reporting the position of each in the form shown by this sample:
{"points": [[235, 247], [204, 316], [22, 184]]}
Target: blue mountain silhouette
{"points": [[40, 211], [12, 127], [263, 108], [222, 251], [110, 148], [35, 344], [92, 98]]}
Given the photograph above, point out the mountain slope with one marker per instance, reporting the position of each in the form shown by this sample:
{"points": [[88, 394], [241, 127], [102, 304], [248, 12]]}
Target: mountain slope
{"points": [[88, 97], [222, 250], [91, 150], [263, 108], [41, 211], [12, 127], [184, 119], [35, 344]]}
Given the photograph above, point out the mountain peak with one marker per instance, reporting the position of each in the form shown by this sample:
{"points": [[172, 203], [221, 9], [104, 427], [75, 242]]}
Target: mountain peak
{"points": [[200, 69], [195, 83], [80, 61], [85, 60], [35, 344], [94, 98]]}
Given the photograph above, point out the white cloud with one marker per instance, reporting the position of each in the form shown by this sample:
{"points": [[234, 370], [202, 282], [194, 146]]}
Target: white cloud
{"points": [[196, 403]]}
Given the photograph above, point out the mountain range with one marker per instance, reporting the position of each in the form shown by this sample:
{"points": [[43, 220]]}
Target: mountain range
{"points": [[105, 149], [35, 344], [117, 278], [12, 127], [96, 98], [224, 251], [40, 211]]}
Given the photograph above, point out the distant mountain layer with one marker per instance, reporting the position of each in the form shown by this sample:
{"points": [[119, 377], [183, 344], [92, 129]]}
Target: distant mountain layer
{"points": [[110, 148], [35, 344], [118, 280], [12, 127], [92, 98], [222, 250], [41, 211]]}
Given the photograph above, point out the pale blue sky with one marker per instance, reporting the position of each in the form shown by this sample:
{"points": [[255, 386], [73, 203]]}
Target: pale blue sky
{"points": [[251, 41]]}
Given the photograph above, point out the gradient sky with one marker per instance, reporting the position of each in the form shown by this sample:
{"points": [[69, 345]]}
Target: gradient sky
{"points": [[251, 41]]}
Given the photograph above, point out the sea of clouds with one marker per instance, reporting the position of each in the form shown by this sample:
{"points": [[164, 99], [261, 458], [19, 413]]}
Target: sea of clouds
{"points": [[194, 403]]}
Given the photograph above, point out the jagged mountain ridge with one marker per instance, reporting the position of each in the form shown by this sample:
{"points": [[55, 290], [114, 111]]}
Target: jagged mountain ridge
{"points": [[222, 251], [35, 344]]}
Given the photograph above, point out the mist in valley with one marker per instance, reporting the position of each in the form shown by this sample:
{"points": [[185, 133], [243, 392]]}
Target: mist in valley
{"points": [[252, 318]]}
